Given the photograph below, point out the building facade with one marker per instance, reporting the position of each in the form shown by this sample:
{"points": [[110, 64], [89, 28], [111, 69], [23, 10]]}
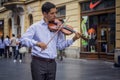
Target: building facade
{"points": [[98, 22]]}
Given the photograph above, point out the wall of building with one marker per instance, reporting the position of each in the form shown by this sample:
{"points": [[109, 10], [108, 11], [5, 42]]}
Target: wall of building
{"points": [[73, 13], [117, 24], [34, 9], [5, 16]]}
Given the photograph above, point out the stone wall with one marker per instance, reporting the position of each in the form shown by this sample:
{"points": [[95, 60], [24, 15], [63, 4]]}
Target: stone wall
{"points": [[72, 52], [117, 24]]}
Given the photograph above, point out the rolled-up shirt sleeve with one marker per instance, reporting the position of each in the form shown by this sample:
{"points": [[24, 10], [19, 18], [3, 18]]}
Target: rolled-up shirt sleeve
{"points": [[62, 43], [27, 38]]}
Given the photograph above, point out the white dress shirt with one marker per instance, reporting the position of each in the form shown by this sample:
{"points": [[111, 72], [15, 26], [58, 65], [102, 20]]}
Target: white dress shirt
{"points": [[39, 32]]}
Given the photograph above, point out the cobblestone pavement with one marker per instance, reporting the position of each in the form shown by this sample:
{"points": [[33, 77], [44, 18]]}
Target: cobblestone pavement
{"points": [[68, 69]]}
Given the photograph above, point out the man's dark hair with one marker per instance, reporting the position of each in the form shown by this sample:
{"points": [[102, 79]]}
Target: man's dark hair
{"points": [[7, 36], [47, 6], [13, 35]]}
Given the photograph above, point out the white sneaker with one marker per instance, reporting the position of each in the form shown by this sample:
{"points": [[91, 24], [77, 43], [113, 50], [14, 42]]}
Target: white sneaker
{"points": [[20, 61], [14, 61]]}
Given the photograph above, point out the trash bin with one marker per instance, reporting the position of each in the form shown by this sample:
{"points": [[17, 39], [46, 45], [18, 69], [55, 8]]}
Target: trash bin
{"points": [[117, 58]]}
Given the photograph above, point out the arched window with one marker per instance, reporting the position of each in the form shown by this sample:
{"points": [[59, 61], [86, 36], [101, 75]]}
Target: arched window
{"points": [[18, 25], [30, 17], [18, 20]]}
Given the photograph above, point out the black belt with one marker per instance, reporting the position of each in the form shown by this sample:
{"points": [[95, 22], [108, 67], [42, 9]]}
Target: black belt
{"points": [[43, 59]]}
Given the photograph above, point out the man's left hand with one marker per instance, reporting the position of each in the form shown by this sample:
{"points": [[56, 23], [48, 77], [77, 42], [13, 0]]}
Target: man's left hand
{"points": [[77, 36]]}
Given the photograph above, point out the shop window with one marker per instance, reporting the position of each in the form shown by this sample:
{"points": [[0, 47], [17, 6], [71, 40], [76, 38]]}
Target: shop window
{"points": [[111, 30], [84, 28], [100, 30]]}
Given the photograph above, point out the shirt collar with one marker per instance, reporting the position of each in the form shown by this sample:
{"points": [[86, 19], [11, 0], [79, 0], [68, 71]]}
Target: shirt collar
{"points": [[43, 21]]}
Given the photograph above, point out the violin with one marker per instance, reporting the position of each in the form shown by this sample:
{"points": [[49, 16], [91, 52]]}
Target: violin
{"points": [[57, 24]]}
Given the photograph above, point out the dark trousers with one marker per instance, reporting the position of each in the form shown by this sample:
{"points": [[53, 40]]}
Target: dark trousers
{"points": [[14, 50], [7, 52], [17, 54], [42, 70], [1, 52]]}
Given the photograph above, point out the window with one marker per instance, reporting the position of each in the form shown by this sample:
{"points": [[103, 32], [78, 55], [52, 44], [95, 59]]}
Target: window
{"points": [[30, 17], [61, 12], [85, 6], [2, 2], [102, 38]]}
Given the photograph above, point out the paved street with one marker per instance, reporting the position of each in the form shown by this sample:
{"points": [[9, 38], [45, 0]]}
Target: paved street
{"points": [[68, 69]]}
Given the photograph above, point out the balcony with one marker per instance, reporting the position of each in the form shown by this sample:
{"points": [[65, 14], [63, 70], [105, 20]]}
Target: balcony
{"points": [[12, 4]]}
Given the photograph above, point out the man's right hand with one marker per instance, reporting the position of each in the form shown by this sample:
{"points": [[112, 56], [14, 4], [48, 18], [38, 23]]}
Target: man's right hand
{"points": [[42, 45]]}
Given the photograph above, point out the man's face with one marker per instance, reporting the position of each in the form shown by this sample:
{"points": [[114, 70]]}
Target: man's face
{"points": [[50, 16]]}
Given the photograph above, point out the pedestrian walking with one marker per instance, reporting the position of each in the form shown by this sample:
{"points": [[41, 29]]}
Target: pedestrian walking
{"points": [[18, 46], [13, 44], [7, 46], [2, 46], [37, 36]]}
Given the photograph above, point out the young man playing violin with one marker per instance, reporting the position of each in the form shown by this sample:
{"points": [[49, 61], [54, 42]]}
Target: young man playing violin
{"points": [[43, 65]]}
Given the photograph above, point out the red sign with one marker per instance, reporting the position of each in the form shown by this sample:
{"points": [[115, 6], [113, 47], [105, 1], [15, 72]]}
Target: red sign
{"points": [[93, 5]]}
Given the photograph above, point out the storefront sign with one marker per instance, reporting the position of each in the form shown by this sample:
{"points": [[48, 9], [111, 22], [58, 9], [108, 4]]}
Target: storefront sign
{"points": [[93, 5]]}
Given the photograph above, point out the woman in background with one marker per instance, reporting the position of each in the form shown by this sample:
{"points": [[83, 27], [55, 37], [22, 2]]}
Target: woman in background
{"points": [[2, 46]]}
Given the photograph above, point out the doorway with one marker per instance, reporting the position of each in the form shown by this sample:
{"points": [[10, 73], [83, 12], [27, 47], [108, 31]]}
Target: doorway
{"points": [[1, 28], [104, 24], [102, 38]]}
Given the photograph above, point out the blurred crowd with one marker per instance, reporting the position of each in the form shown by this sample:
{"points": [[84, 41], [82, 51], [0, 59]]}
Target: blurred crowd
{"points": [[10, 48]]}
